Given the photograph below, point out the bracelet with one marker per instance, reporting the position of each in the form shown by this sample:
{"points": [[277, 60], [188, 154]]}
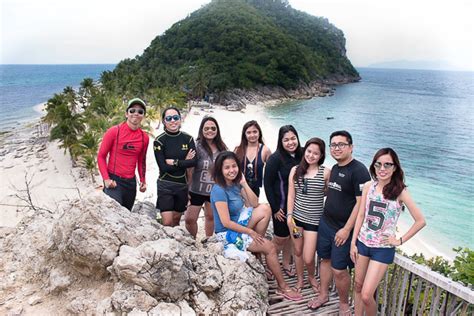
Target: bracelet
{"points": [[289, 214], [401, 241]]}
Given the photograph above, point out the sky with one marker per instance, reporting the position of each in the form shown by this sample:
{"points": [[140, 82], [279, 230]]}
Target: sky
{"points": [[106, 31]]}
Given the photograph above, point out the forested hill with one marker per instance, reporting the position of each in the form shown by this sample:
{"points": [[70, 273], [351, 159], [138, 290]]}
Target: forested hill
{"points": [[237, 44]]}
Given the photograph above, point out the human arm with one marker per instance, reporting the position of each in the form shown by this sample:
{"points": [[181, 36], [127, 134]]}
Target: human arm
{"points": [[327, 174], [224, 216], [142, 163], [417, 215], [249, 196], [290, 200], [104, 150], [266, 152], [270, 177], [359, 221], [191, 158]]}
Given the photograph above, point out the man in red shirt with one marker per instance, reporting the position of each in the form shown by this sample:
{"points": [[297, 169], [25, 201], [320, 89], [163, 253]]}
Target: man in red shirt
{"points": [[123, 149]]}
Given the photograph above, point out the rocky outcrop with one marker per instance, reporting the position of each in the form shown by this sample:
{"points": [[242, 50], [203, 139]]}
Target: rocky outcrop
{"points": [[96, 257], [239, 97]]}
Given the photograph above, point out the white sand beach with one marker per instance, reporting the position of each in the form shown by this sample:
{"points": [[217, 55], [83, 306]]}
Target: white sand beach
{"points": [[53, 180]]}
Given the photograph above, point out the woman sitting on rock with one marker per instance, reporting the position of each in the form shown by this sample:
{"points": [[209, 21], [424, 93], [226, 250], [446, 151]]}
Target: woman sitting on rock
{"points": [[231, 196]]}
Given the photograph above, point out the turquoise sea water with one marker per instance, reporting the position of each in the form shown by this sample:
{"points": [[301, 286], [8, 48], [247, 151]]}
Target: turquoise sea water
{"points": [[428, 118], [24, 86]]}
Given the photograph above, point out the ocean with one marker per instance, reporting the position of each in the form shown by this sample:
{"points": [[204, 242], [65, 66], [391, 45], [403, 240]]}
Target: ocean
{"points": [[24, 87], [426, 116]]}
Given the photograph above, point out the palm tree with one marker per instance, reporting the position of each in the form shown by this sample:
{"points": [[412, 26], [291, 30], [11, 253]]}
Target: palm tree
{"points": [[86, 91]]}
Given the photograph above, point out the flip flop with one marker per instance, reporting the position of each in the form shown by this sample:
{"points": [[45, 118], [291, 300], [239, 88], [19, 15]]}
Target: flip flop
{"points": [[286, 294], [315, 286], [290, 272], [316, 303], [269, 274]]}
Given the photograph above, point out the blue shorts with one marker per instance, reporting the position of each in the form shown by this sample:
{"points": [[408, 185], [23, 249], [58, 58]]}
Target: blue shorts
{"points": [[383, 255], [326, 247], [306, 226]]}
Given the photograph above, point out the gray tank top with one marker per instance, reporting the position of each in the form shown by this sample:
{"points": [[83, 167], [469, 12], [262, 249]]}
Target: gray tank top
{"points": [[202, 179]]}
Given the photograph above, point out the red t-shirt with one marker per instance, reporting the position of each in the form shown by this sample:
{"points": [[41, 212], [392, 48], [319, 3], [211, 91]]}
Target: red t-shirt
{"points": [[125, 154]]}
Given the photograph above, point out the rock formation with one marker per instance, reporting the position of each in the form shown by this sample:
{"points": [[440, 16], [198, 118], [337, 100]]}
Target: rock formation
{"points": [[96, 257]]}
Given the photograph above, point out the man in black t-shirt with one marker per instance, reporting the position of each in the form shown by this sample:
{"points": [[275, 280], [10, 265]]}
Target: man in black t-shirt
{"points": [[335, 228]]}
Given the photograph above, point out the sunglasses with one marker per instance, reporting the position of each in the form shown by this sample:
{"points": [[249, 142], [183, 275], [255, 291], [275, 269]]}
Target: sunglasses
{"points": [[305, 186], [170, 118], [210, 128], [139, 111], [386, 165]]}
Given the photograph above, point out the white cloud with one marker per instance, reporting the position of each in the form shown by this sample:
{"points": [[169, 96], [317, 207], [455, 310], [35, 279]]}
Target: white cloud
{"points": [[87, 31]]}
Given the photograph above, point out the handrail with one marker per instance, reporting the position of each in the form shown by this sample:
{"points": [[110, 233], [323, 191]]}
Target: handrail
{"points": [[437, 279]]}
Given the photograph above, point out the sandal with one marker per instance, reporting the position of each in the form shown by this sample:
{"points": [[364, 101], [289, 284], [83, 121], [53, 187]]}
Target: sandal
{"points": [[286, 293], [269, 274], [316, 303], [290, 272], [315, 286]]}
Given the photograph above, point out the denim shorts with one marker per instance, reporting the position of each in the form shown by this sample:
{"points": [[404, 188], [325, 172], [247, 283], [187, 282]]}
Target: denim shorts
{"points": [[327, 249], [383, 255]]}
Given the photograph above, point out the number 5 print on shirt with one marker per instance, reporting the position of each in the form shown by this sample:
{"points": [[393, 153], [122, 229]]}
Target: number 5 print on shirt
{"points": [[377, 209]]}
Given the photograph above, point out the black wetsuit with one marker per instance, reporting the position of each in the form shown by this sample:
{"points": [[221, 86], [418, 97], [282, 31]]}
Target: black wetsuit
{"points": [[172, 182]]}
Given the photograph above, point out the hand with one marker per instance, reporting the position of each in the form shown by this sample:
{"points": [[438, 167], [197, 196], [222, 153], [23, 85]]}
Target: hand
{"points": [[341, 236], [110, 184], [257, 237], [169, 162], [190, 155], [142, 187], [243, 180], [392, 241], [280, 215], [354, 252]]}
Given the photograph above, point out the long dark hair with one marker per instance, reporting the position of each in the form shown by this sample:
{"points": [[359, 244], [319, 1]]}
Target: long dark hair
{"points": [[217, 140], [217, 170], [281, 133], [394, 188], [303, 166], [242, 148]]}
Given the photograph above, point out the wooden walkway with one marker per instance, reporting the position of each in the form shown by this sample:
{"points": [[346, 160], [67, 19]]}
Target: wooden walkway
{"points": [[281, 306]]}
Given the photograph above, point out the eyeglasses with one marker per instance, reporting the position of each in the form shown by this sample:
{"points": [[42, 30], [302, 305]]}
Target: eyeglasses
{"points": [[338, 145], [211, 128], [386, 165], [170, 118], [139, 111], [305, 186]]}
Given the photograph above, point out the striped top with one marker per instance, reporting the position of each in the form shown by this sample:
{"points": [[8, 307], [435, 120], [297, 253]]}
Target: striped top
{"points": [[309, 198]]}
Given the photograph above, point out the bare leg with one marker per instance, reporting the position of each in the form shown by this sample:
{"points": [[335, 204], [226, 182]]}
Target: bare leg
{"points": [[176, 218], [360, 270], [191, 217], [298, 244], [343, 283], [167, 218], [375, 273], [208, 219], [260, 218], [309, 251], [287, 254], [269, 250]]}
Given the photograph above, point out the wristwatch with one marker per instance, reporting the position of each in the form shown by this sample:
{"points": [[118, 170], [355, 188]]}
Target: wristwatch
{"points": [[175, 162]]}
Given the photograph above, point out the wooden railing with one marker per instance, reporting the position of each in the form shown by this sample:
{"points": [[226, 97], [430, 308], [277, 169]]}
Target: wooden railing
{"points": [[413, 289]]}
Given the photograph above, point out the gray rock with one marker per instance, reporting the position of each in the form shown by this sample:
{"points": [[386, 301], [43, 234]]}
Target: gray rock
{"points": [[36, 299], [165, 309], [58, 280]]}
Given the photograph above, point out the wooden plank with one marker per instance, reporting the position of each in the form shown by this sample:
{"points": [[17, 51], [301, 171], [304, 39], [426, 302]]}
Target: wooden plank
{"points": [[384, 295], [435, 301], [401, 296], [417, 296], [444, 304], [426, 294]]}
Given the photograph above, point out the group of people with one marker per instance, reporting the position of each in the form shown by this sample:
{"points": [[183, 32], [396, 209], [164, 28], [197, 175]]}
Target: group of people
{"points": [[346, 214]]}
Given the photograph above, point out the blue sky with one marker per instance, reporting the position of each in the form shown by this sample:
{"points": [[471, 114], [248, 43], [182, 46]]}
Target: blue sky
{"points": [[87, 31]]}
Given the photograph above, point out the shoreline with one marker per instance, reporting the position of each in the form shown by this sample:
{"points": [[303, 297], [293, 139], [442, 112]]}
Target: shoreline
{"points": [[55, 179]]}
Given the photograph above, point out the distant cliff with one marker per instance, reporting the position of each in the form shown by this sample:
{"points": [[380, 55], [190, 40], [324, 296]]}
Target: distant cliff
{"points": [[238, 44]]}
